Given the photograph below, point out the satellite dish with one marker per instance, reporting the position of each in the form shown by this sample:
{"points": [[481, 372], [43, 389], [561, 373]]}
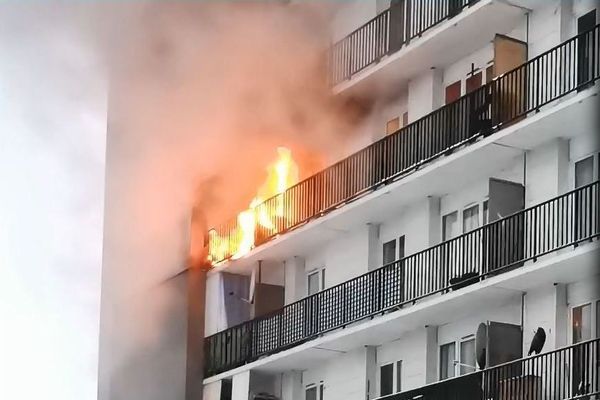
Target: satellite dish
{"points": [[481, 345], [537, 343]]}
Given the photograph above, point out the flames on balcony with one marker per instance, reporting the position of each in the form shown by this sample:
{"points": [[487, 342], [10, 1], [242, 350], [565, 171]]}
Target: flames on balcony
{"points": [[282, 173]]}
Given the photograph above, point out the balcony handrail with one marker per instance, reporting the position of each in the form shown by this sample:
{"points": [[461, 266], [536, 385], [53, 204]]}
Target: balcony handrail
{"points": [[456, 124], [481, 251], [491, 370]]}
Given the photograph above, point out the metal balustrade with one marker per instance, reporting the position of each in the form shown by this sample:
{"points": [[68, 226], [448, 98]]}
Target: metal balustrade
{"points": [[571, 372], [387, 33], [494, 248], [566, 68]]}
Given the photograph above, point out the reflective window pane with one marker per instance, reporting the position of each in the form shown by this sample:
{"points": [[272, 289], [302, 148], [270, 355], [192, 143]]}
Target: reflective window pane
{"points": [[470, 218], [311, 393], [447, 357], [389, 252], [398, 376], [584, 172], [450, 226], [313, 283], [582, 323], [386, 379], [467, 356]]}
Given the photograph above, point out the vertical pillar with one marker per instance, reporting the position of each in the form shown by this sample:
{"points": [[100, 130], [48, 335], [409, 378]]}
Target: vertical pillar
{"points": [[291, 386], [212, 391], [561, 312], [567, 29], [431, 352], [434, 220], [371, 372], [375, 256], [295, 276], [425, 94], [196, 282], [240, 386]]}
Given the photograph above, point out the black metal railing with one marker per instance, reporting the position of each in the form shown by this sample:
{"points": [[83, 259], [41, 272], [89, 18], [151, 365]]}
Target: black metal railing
{"points": [[387, 33], [571, 372], [571, 66], [494, 248]]}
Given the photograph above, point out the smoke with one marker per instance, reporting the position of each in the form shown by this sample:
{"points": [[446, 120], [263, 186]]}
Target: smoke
{"points": [[122, 117]]}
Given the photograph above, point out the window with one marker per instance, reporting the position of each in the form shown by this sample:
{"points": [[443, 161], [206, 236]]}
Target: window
{"points": [[582, 323], [393, 250], [389, 252], [450, 225], [392, 126], [447, 357], [390, 378], [405, 119], [453, 92], [386, 379], [486, 213], [316, 281], [470, 218], [584, 172], [313, 392], [467, 356]]}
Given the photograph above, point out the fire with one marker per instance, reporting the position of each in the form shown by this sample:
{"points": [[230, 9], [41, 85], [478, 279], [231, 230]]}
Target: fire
{"points": [[281, 174]]}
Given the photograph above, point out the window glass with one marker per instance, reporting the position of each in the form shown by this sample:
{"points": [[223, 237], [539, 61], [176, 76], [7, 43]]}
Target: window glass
{"points": [[389, 252], [321, 386], [386, 379], [398, 376], [470, 218], [584, 172], [447, 352], [314, 284], [392, 126], [311, 393], [467, 356], [486, 212], [450, 226], [582, 323]]}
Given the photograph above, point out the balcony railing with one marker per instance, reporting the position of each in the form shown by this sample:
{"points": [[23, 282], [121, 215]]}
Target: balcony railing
{"points": [[497, 247], [571, 372], [568, 67], [387, 33]]}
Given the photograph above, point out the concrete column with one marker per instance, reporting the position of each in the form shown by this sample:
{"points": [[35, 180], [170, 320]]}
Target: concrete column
{"points": [[196, 283], [425, 94], [431, 352], [291, 386], [371, 372], [295, 279], [434, 220], [212, 391], [567, 28], [375, 253], [241, 386], [561, 313]]}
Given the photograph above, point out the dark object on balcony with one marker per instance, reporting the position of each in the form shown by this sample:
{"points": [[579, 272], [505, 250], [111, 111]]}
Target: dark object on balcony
{"points": [[264, 396], [464, 280], [538, 341], [481, 344]]}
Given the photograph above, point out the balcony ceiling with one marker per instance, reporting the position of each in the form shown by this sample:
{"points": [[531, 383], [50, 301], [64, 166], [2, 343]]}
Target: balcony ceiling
{"points": [[437, 48]]}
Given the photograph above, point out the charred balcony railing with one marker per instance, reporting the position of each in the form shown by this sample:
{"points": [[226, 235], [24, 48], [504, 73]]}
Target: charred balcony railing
{"points": [[497, 247], [571, 66], [571, 372], [387, 33]]}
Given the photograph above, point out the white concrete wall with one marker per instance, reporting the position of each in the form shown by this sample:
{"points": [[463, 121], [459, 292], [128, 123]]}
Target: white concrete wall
{"points": [[344, 376], [410, 348]]}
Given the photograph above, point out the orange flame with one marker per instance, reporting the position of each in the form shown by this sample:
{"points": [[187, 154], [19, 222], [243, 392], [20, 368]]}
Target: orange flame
{"points": [[281, 174]]}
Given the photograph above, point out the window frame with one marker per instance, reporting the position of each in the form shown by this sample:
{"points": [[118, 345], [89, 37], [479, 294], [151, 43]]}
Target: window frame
{"points": [[399, 243], [457, 355], [321, 280], [396, 386], [482, 217], [594, 304], [319, 390], [595, 167]]}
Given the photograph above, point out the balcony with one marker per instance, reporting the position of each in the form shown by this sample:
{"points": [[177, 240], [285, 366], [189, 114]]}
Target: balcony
{"points": [[510, 98], [504, 245], [400, 42], [571, 372]]}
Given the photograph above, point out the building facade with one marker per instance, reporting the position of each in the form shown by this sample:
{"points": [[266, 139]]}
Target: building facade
{"points": [[429, 262]]}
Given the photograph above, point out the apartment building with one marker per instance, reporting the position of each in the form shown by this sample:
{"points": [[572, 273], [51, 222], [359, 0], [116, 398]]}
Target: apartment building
{"points": [[456, 255]]}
